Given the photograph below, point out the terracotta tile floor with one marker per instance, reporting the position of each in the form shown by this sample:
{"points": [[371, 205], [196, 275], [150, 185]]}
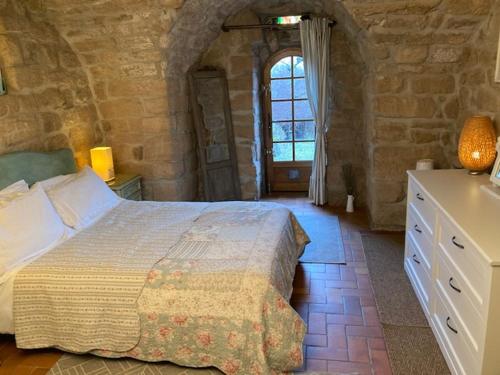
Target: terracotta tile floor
{"points": [[344, 334]]}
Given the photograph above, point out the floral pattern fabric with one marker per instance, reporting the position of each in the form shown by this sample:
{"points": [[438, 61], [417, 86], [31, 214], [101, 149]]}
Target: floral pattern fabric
{"points": [[220, 298]]}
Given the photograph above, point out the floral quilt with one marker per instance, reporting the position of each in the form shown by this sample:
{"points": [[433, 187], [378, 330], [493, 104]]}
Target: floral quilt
{"points": [[219, 297]]}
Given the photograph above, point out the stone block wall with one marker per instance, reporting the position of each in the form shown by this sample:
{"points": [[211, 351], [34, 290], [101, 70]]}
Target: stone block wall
{"points": [[49, 104], [427, 64], [478, 92], [243, 54], [142, 103]]}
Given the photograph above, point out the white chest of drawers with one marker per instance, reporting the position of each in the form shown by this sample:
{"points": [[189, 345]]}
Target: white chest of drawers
{"points": [[452, 257]]}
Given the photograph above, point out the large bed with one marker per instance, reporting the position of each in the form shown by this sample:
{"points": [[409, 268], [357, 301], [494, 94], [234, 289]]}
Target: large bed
{"points": [[197, 284]]}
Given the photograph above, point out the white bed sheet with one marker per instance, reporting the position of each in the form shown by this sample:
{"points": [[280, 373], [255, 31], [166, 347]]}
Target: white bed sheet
{"points": [[7, 288]]}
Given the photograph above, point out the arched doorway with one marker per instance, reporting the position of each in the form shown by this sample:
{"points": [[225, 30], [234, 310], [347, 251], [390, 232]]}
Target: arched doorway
{"points": [[289, 127]]}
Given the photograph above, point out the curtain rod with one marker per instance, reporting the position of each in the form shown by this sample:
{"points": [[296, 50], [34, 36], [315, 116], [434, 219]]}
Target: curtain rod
{"points": [[272, 26]]}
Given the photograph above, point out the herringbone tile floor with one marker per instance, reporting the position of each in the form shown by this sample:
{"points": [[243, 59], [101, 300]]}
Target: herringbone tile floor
{"points": [[344, 334]]}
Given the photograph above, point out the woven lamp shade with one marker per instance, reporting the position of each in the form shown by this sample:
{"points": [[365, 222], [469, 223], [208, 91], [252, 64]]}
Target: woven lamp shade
{"points": [[476, 148]]}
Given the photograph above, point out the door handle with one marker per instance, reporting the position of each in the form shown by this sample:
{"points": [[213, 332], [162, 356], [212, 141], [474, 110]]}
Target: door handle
{"points": [[417, 229], [419, 196]]}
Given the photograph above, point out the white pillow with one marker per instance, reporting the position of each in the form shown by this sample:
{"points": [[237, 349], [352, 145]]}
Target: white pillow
{"points": [[52, 182], [13, 191], [17, 187], [83, 199], [28, 226]]}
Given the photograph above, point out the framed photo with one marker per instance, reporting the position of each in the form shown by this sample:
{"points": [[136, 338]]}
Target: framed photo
{"points": [[3, 89], [497, 70], [495, 174]]}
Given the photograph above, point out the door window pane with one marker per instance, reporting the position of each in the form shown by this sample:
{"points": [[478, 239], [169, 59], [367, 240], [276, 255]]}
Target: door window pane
{"points": [[282, 131], [299, 87], [282, 111], [304, 151], [293, 126], [304, 131], [281, 89], [283, 151], [302, 110], [282, 69], [298, 66]]}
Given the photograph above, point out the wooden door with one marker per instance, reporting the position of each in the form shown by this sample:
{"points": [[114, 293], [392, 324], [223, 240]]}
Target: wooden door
{"points": [[289, 124], [214, 131]]}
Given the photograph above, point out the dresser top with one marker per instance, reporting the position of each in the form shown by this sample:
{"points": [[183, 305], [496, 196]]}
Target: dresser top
{"points": [[475, 211]]}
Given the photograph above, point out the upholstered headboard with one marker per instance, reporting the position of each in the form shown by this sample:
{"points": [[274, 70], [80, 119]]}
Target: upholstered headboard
{"points": [[35, 166]]}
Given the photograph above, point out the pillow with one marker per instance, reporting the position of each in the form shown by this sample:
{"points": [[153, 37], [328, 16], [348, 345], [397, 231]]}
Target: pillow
{"points": [[51, 183], [17, 187], [29, 225], [83, 199], [13, 191]]}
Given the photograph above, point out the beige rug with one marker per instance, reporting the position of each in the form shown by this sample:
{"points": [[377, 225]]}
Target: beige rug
{"points": [[70, 364], [411, 345], [326, 244]]}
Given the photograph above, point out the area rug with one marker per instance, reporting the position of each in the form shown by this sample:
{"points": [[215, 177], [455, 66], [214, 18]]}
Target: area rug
{"points": [[411, 345], [326, 244], [70, 364]]}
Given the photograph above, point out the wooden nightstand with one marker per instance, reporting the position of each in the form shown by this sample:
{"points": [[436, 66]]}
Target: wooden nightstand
{"points": [[127, 186]]}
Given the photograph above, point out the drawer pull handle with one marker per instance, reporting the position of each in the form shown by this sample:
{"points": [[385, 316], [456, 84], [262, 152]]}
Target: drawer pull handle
{"points": [[419, 196], [415, 259], [450, 327], [453, 286], [454, 241], [417, 229]]}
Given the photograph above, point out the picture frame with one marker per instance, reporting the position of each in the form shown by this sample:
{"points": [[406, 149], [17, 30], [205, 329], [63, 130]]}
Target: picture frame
{"points": [[497, 69], [3, 87], [495, 173]]}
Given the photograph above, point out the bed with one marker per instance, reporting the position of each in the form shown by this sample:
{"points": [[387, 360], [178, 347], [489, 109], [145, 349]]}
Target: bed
{"points": [[197, 284]]}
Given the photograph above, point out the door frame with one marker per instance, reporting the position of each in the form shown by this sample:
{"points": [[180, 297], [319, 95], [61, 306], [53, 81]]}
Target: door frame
{"points": [[267, 120]]}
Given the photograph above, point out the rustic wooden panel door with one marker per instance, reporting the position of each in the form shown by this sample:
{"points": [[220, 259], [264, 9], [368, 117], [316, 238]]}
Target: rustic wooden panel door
{"points": [[215, 138], [289, 124]]}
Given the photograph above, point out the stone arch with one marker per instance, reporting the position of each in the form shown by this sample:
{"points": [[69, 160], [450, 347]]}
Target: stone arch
{"points": [[207, 32], [136, 54], [48, 103]]}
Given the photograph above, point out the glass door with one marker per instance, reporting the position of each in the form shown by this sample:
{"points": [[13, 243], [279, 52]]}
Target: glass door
{"points": [[290, 124]]}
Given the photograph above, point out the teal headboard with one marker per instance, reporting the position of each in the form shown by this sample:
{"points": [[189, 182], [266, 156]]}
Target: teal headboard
{"points": [[35, 166]]}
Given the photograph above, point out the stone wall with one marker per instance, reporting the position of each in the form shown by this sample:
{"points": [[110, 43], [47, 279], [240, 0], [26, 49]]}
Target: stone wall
{"points": [[142, 102], [418, 51], [49, 104], [479, 93], [243, 54], [426, 63]]}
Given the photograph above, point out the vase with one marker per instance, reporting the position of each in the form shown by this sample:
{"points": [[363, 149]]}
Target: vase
{"points": [[350, 203]]}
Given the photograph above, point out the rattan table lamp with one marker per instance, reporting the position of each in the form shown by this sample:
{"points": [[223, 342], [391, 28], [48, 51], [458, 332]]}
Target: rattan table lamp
{"points": [[476, 148]]}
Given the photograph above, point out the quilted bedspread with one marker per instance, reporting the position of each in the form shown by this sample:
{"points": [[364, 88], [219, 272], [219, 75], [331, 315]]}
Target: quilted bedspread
{"points": [[216, 295]]}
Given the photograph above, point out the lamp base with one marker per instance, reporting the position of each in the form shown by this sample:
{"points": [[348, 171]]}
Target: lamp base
{"points": [[476, 173]]}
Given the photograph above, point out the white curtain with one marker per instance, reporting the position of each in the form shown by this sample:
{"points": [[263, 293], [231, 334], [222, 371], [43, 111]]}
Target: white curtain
{"points": [[315, 38]]}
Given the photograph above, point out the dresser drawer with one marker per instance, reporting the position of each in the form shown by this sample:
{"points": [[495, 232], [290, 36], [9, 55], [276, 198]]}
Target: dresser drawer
{"points": [[459, 297], [452, 337], [423, 205], [417, 272], [464, 259], [422, 237]]}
